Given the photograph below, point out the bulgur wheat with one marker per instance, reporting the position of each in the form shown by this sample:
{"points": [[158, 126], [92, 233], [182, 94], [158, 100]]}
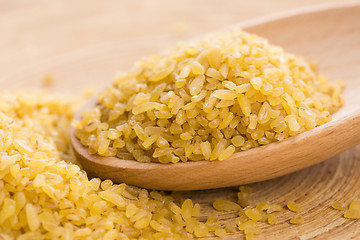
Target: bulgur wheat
{"points": [[206, 100]]}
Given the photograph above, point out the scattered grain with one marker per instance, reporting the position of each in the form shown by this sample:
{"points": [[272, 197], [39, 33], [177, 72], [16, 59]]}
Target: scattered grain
{"points": [[292, 206], [297, 220]]}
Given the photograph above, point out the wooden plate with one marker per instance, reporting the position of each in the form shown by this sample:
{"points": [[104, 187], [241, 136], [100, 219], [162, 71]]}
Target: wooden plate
{"points": [[84, 44]]}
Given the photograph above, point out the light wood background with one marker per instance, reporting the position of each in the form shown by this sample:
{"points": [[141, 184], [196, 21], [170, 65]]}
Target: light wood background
{"points": [[84, 43]]}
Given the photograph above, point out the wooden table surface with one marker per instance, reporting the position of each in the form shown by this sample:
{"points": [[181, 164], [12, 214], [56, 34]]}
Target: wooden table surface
{"points": [[84, 43]]}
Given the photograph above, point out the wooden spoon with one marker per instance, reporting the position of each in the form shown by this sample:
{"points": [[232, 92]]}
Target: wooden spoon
{"points": [[327, 35]]}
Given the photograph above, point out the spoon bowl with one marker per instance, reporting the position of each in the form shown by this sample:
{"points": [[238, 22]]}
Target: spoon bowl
{"points": [[330, 36]]}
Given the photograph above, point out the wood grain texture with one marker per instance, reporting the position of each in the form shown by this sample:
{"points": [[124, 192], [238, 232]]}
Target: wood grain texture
{"points": [[86, 42]]}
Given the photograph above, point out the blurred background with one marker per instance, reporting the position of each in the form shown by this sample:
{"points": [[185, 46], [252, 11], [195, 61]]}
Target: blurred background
{"points": [[68, 44]]}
